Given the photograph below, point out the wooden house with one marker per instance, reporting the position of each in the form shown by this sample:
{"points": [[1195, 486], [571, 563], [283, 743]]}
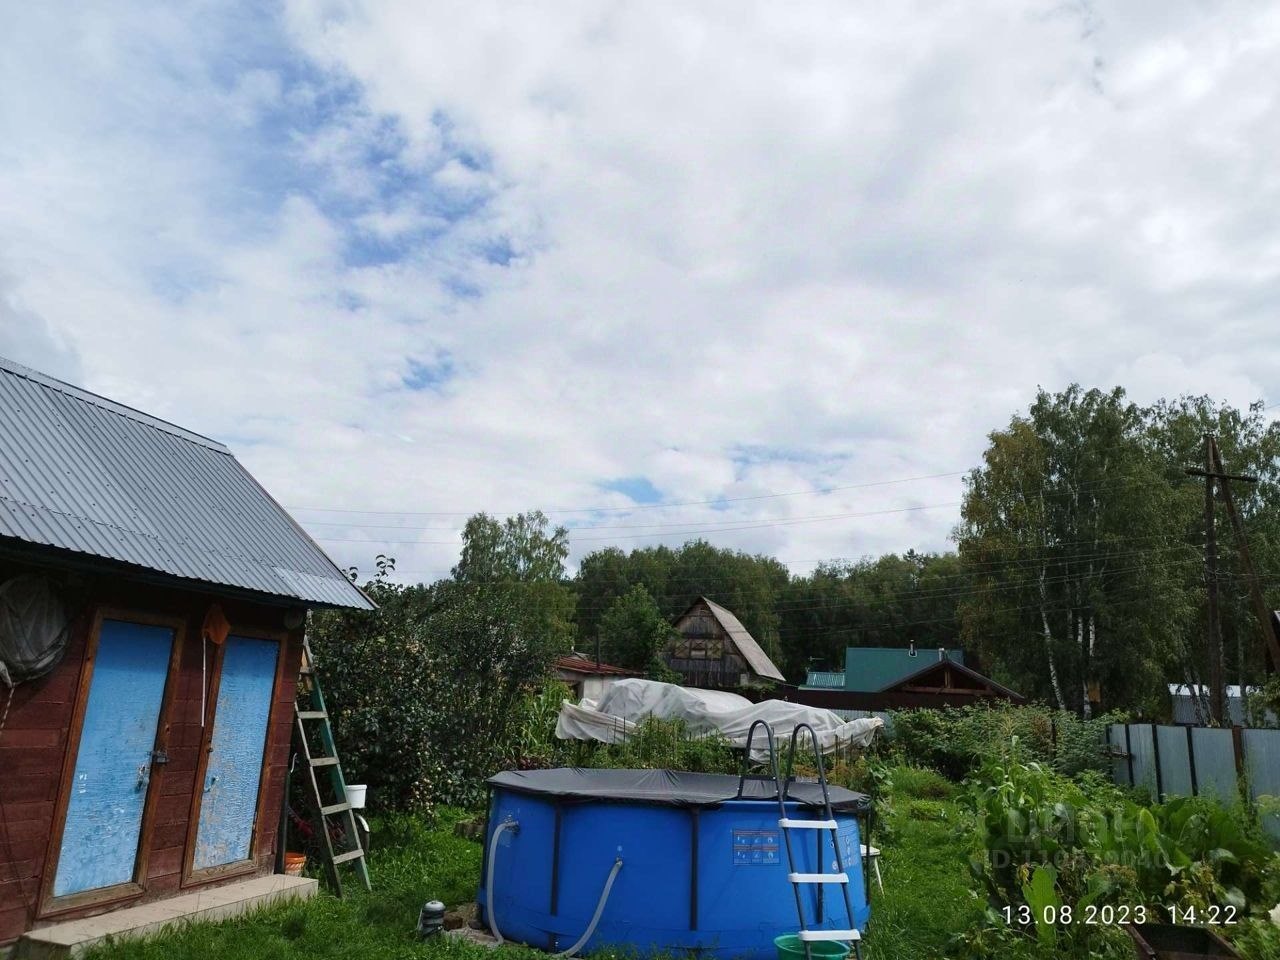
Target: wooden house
{"points": [[149, 762], [715, 650]]}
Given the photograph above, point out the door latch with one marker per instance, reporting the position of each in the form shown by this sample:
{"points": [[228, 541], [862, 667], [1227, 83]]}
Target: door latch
{"points": [[159, 756]]}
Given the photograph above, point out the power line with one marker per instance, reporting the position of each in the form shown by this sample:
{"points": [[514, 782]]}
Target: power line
{"points": [[1052, 552], [937, 595], [640, 506], [360, 524], [679, 533], [705, 526]]}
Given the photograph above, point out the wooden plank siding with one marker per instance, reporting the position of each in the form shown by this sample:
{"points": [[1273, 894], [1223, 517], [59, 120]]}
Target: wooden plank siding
{"points": [[37, 734], [712, 649]]}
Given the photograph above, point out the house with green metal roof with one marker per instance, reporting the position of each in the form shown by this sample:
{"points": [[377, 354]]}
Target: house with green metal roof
{"points": [[893, 678], [868, 669]]}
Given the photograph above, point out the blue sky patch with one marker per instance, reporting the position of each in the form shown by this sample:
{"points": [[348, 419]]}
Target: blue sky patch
{"points": [[639, 489], [294, 128], [430, 376]]}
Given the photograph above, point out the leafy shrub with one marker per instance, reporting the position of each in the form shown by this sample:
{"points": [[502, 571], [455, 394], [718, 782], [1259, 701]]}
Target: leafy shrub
{"points": [[921, 782], [534, 744], [665, 745], [956, 740], [424, 691], [1046, 842]]}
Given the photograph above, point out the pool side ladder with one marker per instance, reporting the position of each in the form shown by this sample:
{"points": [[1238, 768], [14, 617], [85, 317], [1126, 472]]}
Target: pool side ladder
{"points": [[787, 824]]}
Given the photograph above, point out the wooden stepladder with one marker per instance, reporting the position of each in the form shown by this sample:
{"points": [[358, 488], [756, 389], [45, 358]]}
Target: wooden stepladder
{"points": [[333, 818]]}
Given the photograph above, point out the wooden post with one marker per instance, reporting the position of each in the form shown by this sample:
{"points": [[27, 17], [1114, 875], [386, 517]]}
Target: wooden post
{"points": [[1155, 758], [1128, 750], [1191, 761], [1260, 611], [1216, 705]]}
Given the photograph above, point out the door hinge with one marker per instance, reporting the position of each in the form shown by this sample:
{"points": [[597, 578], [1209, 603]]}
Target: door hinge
{"points": [[159, 756]]}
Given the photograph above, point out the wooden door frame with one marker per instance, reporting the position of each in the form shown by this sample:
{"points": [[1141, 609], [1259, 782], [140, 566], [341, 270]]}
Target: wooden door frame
{"points": [[190, 875], [50, 905]]}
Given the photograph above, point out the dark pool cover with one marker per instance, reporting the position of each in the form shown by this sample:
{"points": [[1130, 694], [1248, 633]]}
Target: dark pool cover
{"points": [[664, 788]]}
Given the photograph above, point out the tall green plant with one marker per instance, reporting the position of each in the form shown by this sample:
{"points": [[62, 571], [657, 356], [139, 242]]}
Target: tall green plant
{"points": [[1045, 842], [424, 691]]}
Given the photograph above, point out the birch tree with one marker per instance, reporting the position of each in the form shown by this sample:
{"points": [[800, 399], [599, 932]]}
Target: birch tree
{"points": [[1070, 532]]}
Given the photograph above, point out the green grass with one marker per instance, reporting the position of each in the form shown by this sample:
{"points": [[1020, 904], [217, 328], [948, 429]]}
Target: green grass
{"points": [[925, 841], [920, 783], [411, 862]]}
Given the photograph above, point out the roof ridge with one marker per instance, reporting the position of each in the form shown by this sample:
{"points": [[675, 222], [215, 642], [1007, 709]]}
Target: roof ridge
{"points": [[111, 406]]}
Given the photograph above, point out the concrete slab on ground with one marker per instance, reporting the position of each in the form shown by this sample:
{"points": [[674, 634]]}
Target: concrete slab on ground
{"points": [[482, 938], [72, 937]]}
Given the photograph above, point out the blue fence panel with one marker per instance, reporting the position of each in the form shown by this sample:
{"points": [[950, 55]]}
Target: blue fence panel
{"points": [[1175, 761], [1262, 764], [1143, 747], [1120, 765], [1215, 763]]}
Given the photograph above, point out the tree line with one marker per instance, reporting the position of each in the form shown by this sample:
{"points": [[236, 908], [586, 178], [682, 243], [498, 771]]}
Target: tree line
{"points": [[1077, 576]]}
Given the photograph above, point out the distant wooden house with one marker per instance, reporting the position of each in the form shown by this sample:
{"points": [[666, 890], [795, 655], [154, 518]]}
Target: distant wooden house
{"points": [[152, 603], [715, 650], [586, 677]]}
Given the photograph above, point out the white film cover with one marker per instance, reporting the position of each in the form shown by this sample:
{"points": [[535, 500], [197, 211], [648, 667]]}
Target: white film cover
{"points": [[704, 712]]}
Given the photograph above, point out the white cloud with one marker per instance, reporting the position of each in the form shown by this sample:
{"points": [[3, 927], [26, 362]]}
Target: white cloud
{"points": [[734, 250]]}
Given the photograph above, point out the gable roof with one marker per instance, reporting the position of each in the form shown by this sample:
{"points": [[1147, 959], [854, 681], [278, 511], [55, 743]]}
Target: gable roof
{"points": [[83, 474], [957, 667], [870, 669], [756, 658]]}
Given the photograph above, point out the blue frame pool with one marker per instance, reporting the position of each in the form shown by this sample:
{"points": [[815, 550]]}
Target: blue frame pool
{"points": [[700, 871]]}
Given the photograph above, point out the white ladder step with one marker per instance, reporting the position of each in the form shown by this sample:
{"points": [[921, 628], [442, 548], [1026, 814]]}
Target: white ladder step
{"points": [[818, 877], [811, 935], [808, 824]]}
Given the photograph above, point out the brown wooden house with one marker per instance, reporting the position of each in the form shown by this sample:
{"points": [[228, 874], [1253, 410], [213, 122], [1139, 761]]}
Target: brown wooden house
{"points": [[170, 592], [715, 650]]}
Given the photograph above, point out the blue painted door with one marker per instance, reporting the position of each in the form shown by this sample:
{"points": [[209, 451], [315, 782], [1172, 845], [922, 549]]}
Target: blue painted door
{"points": [[229, 803], [113, 764]]}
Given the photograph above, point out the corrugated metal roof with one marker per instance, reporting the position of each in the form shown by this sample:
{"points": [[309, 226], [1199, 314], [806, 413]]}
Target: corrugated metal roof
{"points": [[825, 680], [83, 473], [579, 663]]}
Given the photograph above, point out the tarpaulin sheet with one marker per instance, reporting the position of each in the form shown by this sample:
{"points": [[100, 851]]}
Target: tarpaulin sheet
{"points": [[667, 788], [706, 712]]}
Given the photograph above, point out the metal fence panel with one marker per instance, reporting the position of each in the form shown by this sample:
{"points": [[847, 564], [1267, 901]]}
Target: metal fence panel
{"points": [[1175, 765], [1119, 765], [1142, 745], [1215, 759], [1262, 764]]}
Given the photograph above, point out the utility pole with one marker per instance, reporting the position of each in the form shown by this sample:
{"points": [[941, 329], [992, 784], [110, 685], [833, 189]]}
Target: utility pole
{"points": [[1265, 617], [1214, 635], [1215, 472]]}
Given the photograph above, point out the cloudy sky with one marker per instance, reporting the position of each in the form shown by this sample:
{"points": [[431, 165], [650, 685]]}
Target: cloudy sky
{"points": [[658, 269]]}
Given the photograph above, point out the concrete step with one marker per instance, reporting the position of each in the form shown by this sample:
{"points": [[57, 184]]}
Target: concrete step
{"points": [[72, 937]]}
